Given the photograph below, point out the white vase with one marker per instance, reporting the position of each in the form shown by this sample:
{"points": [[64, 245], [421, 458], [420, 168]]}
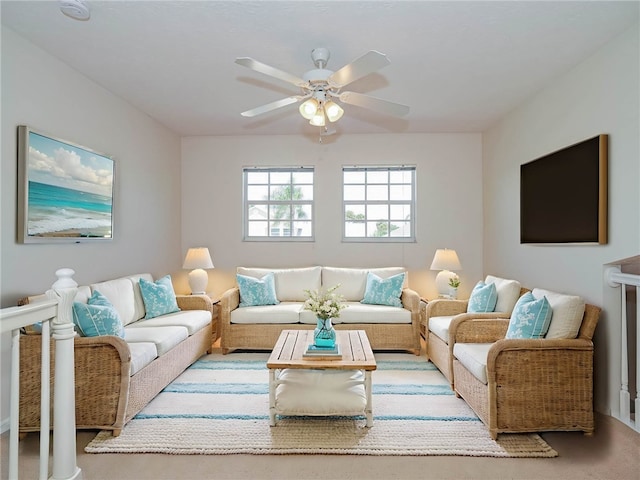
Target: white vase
{"points": [[453, 292]]}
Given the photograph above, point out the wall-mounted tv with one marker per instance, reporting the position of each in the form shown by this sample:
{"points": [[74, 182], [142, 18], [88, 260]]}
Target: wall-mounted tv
{"points": [[65, 191], [563, 195]]}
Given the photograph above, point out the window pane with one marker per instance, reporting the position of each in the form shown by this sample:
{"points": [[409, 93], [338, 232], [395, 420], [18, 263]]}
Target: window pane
{"points": [[257, 177], [257, 192], [377, 192], [303, 177], [377, 229], [400, 212], [304, 192], [302, 212], [377, 176], [301, 229], [377, 212], [354, 212], [354, 192], [280, 177], [355, 229], [400, 192], [400, 229], [258, 229], [258, 212], [280, 212], [353, 177], [400, 176]]}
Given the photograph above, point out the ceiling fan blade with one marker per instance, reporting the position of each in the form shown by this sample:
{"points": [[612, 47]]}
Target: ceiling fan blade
{"points": [[273, 106], [360, 67], [373, 103], [271, 71]]}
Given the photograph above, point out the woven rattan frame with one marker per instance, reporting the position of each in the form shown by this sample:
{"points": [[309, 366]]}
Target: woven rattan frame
{"points": [[532, 385], [106, 396], [263, 336]]}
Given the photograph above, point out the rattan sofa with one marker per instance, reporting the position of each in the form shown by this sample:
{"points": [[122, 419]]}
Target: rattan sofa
{"points": [[115, 377], [531, 385], [443, 316], [387, 328]]}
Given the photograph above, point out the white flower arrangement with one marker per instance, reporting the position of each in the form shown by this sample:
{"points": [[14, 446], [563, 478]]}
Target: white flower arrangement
{"points": [[454, 281], [325, 304]]}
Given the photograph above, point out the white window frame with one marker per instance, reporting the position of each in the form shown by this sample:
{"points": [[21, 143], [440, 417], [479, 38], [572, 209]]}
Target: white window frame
{"points": [[388, 203], [270, 203]]}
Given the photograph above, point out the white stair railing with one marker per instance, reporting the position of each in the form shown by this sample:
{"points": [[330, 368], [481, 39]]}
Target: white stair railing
{"points": [[57, 312], [616, 279]]}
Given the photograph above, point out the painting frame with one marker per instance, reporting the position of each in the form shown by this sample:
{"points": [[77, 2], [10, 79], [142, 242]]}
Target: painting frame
{"points": [[65, 190]]}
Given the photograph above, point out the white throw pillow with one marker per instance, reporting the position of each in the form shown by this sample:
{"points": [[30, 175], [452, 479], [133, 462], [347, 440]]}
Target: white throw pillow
{"points": [[568, 311], [508, 293]]}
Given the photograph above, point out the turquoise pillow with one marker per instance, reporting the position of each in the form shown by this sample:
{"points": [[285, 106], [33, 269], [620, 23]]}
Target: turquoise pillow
{"points": [[257, 291], [483, 298], [97, 317], [530, 317], [158, 297], [385, 291]]}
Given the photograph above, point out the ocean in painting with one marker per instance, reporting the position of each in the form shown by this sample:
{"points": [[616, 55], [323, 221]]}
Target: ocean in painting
{"points": [[64, 212]]}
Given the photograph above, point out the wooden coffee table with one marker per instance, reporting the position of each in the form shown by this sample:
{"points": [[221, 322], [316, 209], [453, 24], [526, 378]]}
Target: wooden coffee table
{"points": [[288, 353]]}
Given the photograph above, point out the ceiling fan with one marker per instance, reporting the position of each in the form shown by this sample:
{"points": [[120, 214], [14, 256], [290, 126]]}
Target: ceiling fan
{"points": [[321, 88]]}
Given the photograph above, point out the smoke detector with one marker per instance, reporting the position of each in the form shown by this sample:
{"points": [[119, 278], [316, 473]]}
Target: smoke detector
{"points": [[76, 9]]}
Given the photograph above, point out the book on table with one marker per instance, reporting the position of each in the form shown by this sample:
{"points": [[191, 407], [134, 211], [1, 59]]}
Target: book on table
{"points": [[314, 351]]}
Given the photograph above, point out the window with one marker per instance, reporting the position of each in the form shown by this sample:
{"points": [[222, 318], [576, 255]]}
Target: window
{"points": [[278, 203], [379, 203]]}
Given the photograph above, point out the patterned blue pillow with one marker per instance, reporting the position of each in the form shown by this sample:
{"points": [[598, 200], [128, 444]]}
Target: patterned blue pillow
{"points": [[97, 317], [383, 291], [257, 291], [483, 298], [530, 317], [158, 297]]}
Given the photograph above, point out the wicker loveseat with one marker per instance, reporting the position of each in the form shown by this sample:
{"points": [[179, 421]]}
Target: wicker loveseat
{"points": [[116, 377], [526, 385], [258, 327], [443, 315]]}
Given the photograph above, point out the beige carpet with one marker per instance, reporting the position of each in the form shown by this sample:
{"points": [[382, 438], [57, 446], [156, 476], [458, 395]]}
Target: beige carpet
{"points": [[220, 406]]}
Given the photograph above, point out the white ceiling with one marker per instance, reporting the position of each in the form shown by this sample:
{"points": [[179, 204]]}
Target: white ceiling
{"points": [[460, 66]]}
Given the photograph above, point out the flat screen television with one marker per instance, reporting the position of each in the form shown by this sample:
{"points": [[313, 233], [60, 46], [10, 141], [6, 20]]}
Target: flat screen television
{"points": [[563, 195]]}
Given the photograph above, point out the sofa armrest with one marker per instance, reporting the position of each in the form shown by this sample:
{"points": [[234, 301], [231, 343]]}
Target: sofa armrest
{"points": [[410, 300], [194, 302], [474, 329], [441, 307], [229, 301]]}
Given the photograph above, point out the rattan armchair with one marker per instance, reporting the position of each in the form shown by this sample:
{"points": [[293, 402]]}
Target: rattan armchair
{"points": [[531, 385]]}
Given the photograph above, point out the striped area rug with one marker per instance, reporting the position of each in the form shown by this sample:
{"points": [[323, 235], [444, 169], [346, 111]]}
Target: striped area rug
{"points": [[220, 405]]}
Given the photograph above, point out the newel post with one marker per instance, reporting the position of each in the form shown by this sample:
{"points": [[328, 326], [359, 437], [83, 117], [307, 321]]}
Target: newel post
{"points": [[64, 404]]}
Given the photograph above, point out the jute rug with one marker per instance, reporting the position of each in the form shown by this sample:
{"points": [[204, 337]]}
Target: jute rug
{"points": [[220, 406]]}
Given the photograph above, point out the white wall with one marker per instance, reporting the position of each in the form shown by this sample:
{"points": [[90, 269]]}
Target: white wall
{"points": [[40, 91], [600, 95], [449, 202]]}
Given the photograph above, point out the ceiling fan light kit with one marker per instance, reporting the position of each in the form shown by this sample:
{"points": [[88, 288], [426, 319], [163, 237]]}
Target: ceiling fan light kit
{"points": [[320, 87]]}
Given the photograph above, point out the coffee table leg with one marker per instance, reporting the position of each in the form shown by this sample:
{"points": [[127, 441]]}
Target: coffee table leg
{"points": [[367, 390], [272, 397]]}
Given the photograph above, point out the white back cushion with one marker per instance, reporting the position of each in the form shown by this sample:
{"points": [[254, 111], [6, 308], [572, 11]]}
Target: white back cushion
{"points": [[352, 281], [120, 293], [139, 311], [568, 311], [508, 293], [387, 272], [290, 282]]}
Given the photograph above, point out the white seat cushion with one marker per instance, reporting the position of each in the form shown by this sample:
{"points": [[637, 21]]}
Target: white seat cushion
{"points": [[567, 313], [193, 320], [164, 338], [508, 293], [321, 392], [357, 312], [284, 312], [142, 354], [439, 326], [474, 358]]}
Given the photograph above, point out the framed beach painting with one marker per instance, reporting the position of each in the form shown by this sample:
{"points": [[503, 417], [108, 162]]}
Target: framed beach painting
{"points": [[65, 191]]}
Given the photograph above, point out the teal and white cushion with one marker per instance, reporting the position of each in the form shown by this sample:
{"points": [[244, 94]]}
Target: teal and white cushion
{"points": [[530, 317], [483, 298], [158, 297], [97, 317], [257, 291], [387, 291]]}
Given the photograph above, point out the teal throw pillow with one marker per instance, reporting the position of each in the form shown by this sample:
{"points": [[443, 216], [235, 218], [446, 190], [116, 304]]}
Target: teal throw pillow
{"points": [[97, 317], [483, 298], [387, 291], [257, 291], [158, 297], [530, 317]]}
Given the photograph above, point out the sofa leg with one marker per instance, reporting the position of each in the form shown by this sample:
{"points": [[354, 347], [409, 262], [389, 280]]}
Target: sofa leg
{"points": [[225, 351]]}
